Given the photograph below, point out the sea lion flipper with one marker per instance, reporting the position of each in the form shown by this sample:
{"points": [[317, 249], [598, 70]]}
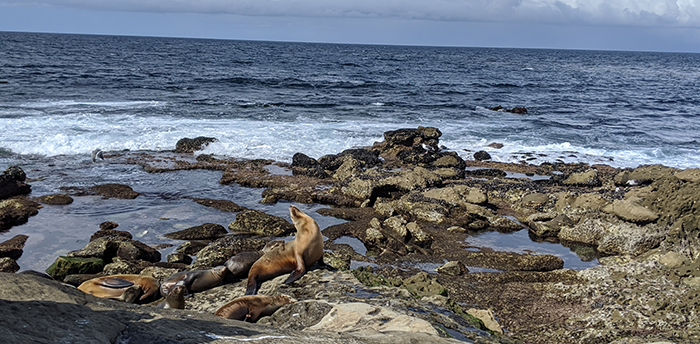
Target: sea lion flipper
{"points": [[299, 271], [115, 282]]}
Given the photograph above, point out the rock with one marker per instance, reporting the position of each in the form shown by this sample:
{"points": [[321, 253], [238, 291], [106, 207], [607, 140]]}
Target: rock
{"points": [[632, 211], [367, 158], [12, 183], [348, 317], [111, 232], [107, 225], [486, 172], [487, 317], [187, 145], [223, 205], [457, 195], [64, 266], [453, 268], [383, 206], [179, 258], [588, 178], [398, 225], [422, 284], [337, 260], [535, 199], [306, 166], [207, 231], [450, 159], [456, 229], [402, 137], [547, 224], [691, 175], [264, 224], [418, 235], [219, 251], [191, 247], [109, 247], [58, 199], [672, 260], [482, 155], [12, 248], [349, 168], [114, 191], [121, 267], [16, 211], [644, 174], [8, 264]]}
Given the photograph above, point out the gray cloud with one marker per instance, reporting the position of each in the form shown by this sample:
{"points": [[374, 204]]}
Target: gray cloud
{"points": [[668, 13]]}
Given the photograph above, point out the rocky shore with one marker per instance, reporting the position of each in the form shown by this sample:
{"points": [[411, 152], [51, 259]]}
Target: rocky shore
{"points": [[410, 203]]}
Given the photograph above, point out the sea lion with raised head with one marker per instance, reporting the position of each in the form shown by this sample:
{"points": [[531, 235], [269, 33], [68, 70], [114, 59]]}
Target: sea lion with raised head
{"points": [[194, 280], [294, 256], [252, 307], [175, 298], [240, 264], [121, 287]]}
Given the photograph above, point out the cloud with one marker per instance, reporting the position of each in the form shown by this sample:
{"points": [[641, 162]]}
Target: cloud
{"points": [[667, 13]]}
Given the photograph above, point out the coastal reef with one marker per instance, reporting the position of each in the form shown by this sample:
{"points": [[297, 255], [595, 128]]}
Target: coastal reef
{"points": [[399, 268]]}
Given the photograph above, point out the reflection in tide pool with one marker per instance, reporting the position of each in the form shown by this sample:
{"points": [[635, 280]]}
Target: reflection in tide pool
{"points": [[575, 257]]}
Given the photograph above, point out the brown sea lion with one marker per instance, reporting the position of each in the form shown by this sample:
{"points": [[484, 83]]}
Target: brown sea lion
{"points": [[121, 287], [175, 298], [240, 264], [194, 280], [252, 307], [294, 256]]}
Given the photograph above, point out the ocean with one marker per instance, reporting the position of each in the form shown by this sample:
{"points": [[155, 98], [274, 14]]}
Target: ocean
{"points": [[61, 96]]}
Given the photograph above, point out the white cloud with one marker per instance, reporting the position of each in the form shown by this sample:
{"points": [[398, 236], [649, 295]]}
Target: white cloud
{"points": [[669, 13]]}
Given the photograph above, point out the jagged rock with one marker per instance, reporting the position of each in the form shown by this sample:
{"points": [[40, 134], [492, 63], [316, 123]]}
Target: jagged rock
{"points": [[482, 155], [534, 199], [458, 195], [486, 172], [107, 225], [691, 175], [114, 191], [58, 199], [191, 247], [13, 247], [422, 284], [110, 232], [256, 221], [8, 264], [304, 165], [109, 247], [644, 174], [223, 205], [16, 211], [188, 145], [179, 258], [207, 231], [632, 211], [219, 251], [547, 224], [12, 183], [418, 235], [398, 225], [121, 267], [453, 268], [487, 317], [64, 266], [588, 178]]}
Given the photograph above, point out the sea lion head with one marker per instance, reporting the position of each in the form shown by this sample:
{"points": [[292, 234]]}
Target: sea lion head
{"points": [[219, 271], [299, 218]]}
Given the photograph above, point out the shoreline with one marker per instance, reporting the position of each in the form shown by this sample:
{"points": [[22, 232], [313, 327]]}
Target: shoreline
{"points": [[407, 203]]}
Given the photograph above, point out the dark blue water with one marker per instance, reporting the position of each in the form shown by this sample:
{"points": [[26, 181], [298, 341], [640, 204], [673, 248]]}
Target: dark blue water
{"points": [[270, 100]]}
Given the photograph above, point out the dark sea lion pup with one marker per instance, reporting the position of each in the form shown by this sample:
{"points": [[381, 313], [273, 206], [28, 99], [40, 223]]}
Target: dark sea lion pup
{"points": [[194, 280], [175, 298], [252, 307], [240, 264], [294, 256], [121, 287]]}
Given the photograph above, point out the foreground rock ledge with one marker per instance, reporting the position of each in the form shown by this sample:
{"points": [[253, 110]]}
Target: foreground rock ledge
{"points": [[39, 310]]}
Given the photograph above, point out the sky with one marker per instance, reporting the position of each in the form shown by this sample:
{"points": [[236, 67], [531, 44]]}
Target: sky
{"points": [[636, 25]]}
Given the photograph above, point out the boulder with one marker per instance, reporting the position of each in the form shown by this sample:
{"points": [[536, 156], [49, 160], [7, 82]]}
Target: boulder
{"points": [[109, 247], [482, 155], [8, 264], [304, 165], [13, 247], [631, 211], [588, 178], [64, 266], [16, 211], [12, 183], [207, 231], [487, 317], [547, 224], [453, 268], [57, 199], [422, 284], [348, 317], [220, 204], [691, 175], [188, 145], [256, 221], [111, 232], [114, 191], [192, 247], [219, 251]]}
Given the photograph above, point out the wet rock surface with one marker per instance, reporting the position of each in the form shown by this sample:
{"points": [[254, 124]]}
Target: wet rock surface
{"points": [[412, 207]]}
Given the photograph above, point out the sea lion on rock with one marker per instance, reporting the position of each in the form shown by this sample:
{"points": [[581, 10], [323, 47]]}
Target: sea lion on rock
{"points": [[194, 280], [294, 256], [240, 264], [121, 287], [252, 307], [175, 298]]}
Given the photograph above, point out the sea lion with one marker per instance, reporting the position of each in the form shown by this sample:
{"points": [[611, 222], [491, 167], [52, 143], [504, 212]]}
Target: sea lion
{"points": [[175, 298], [252, 307], [240, 264], [194, 280], [294, 256], [121, 287]]}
